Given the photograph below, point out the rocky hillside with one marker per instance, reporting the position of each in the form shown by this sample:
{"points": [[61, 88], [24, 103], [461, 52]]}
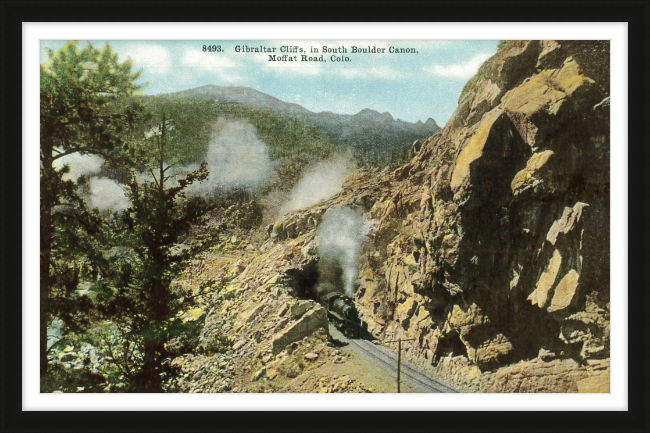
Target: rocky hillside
{"points": [[490, 248]]}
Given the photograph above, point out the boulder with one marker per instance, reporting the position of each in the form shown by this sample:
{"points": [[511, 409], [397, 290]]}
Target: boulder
{"points": [[259, 374], [568, 221], [300, 308], [545, 355], [67, 356], [565, 291], [192, 315], [464, 320], [248, 316], [54, 332], [496, 138], [546, 91], [238, 345], [417, 145], [531, 174], [274, 279], [309, 323], [283, 310], [491, 353], [546, 281]]}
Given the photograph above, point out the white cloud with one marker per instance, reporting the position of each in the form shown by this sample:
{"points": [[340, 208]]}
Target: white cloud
{"points": [[224, 67], [154, 57], [384, 72], [464, 70], [196, 58]]}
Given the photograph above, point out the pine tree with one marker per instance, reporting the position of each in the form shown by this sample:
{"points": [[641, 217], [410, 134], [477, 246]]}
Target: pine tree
{"points": [[143, 304], [81, 112]]}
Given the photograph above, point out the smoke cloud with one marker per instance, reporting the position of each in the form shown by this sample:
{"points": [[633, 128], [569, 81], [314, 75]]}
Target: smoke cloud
{"points": [[106, 195], [236, 158], [101, 193], [340, 236], [79, 165], [318, 183]]}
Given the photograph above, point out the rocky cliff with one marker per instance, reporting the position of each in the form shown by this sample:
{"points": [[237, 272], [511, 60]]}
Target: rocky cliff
{"points": [[490, 248], [494, 243]]}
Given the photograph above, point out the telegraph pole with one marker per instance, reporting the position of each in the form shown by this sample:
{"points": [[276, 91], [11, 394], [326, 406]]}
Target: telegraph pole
{"points": [[399, 359], [399, 363]]}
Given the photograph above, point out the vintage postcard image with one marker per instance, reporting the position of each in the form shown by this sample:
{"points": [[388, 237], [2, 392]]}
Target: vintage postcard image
{"points": [[306, 216]]}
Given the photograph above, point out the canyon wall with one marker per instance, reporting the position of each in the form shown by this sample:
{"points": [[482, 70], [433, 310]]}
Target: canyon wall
{"points": [[493, 246]]}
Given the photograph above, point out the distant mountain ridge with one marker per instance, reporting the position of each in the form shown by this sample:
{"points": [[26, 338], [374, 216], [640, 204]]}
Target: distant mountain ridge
{"points": [[248, 97], [255, 99], [367, 131]]}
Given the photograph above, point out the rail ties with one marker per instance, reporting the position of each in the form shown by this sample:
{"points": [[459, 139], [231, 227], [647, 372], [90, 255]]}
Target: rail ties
{"points": [[412, 374], [406, 367]]}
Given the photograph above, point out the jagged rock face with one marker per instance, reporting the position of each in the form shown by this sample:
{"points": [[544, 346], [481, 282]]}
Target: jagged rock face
{"points": [[494, 243]]}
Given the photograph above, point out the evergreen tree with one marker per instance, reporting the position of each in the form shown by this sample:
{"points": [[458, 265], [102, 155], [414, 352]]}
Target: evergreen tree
{"points": [[80, 91], [142, 302]]}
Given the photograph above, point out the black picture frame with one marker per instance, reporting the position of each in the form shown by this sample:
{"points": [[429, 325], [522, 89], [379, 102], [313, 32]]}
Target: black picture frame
{"points": [[635, 13]]}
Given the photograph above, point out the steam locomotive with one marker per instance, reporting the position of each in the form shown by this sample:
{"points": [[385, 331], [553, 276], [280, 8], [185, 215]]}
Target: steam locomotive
{"points": [[342, 312]]}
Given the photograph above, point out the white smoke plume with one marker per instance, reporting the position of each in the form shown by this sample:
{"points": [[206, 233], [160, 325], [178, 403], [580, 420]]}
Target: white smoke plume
{"points": [[236, 158], [79, 164], [101, 193], [318, 183], [106, 195], [340, 236]]}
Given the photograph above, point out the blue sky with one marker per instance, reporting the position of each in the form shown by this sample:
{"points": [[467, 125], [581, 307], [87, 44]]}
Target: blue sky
{"points": [[409, 86]]}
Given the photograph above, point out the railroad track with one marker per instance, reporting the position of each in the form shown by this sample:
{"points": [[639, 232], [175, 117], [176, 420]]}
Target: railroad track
{"points": [[408, 373], [387, 360]]}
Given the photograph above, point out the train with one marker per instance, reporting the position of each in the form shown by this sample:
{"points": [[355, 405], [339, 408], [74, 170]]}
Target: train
{"points": [[342, 312]]}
